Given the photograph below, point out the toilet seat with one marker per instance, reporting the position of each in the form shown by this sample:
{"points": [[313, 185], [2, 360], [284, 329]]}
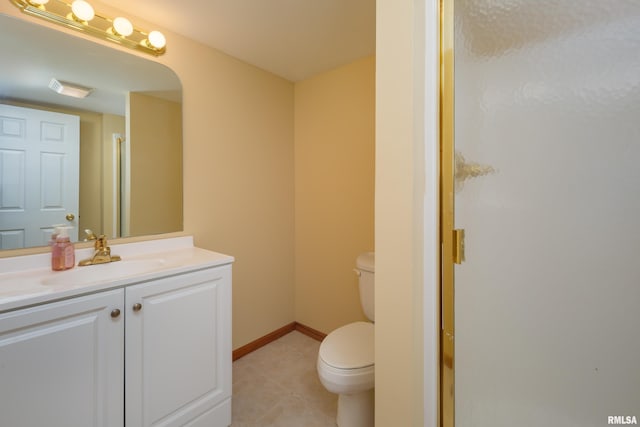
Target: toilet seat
{"points": [[349, 347], [346, 359]]}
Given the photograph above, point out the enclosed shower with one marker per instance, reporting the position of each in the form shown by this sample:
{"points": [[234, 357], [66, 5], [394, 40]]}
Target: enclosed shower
{"points": [[546, 185]]}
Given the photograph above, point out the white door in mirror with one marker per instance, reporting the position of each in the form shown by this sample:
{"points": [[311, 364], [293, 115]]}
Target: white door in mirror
{"points": [[44, 147]]}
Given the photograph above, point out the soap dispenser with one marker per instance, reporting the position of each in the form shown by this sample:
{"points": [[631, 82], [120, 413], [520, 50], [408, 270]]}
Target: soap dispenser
{"points": [[63, 255]]}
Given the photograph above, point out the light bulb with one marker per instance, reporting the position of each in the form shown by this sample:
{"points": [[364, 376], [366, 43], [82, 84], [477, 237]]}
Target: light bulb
{"points": [[122, 27], [157, 40], [82, 10]]}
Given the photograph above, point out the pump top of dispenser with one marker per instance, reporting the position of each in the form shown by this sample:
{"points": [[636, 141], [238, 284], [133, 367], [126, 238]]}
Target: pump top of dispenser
{"points": [[62, 233]]}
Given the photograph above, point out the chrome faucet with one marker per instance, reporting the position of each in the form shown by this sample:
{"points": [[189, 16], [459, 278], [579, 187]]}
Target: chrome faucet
{"points": [[101, 255]]}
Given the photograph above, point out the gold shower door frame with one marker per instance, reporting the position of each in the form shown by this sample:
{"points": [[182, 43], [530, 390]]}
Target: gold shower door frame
{"points": [[447, 225]]}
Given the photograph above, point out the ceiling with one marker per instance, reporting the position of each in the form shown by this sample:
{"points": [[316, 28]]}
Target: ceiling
{"points": [[294, 39]]}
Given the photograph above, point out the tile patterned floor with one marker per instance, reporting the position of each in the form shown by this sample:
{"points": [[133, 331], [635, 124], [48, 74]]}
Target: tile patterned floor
{"points": [[277, 386]]}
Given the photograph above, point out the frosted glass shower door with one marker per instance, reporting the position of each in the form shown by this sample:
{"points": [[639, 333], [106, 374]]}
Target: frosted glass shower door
{"points": [[547, 142]]}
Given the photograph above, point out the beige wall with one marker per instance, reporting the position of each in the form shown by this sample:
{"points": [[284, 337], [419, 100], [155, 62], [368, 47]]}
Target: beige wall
{"points": [[334, 188], [399, 203], [154, 140]]}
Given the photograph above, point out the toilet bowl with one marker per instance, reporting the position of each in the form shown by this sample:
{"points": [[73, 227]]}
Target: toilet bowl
{"points": [[346, 357], [346, 367]]}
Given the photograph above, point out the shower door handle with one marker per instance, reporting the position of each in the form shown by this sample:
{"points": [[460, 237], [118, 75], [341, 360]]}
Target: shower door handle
{"points": [[458, 246]]}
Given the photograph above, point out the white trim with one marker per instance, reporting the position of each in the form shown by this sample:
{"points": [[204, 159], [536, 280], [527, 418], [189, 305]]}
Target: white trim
{"points": [[431, 294], [115, 229]]}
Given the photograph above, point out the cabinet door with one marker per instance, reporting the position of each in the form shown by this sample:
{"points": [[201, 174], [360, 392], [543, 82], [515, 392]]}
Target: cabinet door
{"points": [[178, 350], [61, 364]]}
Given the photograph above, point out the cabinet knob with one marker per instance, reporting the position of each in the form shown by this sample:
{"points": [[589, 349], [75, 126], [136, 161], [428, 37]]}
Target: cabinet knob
{"points": [[137, 306], [115, 313]]}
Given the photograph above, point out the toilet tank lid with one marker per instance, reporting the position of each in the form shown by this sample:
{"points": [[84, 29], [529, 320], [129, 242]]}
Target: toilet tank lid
{"points": [[366, 261], [349, 347]]}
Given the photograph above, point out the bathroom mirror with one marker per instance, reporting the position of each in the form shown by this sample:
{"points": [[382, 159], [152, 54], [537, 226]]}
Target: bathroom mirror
{"points": [[130, 144]]}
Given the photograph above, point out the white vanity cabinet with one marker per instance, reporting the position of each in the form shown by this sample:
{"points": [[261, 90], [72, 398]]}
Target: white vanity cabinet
{"points": [[178, 351], [151, 350], [62, 363]]}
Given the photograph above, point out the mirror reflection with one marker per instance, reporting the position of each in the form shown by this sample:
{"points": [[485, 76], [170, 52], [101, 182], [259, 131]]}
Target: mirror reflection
{"points": [[110, 163]]}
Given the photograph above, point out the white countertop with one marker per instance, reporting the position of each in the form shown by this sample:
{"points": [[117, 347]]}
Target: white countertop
{"points": [[28, 280]]}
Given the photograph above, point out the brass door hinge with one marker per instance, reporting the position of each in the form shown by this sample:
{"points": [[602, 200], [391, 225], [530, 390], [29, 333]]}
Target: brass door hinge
{"points": [[458, 246]]}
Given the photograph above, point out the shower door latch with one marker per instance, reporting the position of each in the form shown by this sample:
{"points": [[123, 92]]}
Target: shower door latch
{"points": [[458, 246]]}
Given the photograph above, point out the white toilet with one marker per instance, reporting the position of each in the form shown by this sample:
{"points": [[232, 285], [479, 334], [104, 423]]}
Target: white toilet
{"points": [[346, 356]]}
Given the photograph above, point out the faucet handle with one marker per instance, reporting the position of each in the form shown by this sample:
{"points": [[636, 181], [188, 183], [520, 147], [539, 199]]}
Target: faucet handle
{"points": [[101, 242], [90, 235]]}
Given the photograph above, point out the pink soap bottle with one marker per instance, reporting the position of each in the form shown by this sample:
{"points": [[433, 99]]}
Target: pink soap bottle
{"points": [[63, 255]]}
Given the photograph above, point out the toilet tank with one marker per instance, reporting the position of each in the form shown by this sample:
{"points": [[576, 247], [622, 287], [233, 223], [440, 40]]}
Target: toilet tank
{"points": [[365, 264]]}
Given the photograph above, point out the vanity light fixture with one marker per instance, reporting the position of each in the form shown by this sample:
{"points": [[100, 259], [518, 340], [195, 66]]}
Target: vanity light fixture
{"points": [[82, 11], [156, 40], [122, 27], [69, 89], [79, 15]]}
